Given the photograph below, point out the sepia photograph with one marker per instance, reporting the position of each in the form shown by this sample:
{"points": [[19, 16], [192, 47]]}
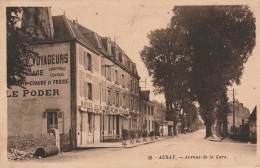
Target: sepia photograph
{"points": [[129, 84]]}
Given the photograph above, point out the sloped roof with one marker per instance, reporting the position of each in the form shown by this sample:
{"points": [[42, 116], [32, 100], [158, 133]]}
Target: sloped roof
{"points": [[66, 29], [61, 30], [253, 115]]}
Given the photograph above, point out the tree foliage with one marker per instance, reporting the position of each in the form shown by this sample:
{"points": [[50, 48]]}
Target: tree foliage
{"points": [[201, 53], [221, 38], [19, 51], [167, 62]]}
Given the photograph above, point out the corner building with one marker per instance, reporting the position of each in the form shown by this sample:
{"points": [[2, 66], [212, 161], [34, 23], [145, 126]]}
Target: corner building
{"points": [[83, 85]]}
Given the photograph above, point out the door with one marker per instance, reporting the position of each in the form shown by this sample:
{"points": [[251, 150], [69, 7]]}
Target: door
{"points": [[117, 125], [90, 128], [52, 120]]}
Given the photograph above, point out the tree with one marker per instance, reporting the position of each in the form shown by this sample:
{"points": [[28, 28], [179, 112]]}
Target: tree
{"points": [[220, 39], [191, 114], [19, 51], [222, 112], [169, 67]]}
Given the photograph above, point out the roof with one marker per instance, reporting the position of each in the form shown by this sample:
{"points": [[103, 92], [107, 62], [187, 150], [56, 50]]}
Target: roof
{"points": [[65, 29], [253, 115]]}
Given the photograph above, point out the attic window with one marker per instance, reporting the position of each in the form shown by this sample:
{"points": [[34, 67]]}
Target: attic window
{"points": [[120, 57]]}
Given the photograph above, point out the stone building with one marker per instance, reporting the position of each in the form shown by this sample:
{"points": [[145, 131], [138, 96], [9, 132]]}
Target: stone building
{"points": [[83, 85], [253, 126], [146, 112], [161, 124], [241, 115]]}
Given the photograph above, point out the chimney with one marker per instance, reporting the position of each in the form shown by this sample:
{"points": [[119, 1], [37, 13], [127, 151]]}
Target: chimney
{"points": [[37, 21]]}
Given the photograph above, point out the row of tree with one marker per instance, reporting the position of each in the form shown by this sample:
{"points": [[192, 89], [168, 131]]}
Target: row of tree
{"points": [[198, 55]]}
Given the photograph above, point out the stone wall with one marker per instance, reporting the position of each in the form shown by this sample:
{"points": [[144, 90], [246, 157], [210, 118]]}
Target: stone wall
{"points": [[29, 142]]}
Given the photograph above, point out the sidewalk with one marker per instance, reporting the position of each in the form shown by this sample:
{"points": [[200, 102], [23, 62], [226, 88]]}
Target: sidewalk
{"points": [[118, 144]]}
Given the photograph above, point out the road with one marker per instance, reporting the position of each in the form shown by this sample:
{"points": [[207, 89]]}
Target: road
{"points": [[184, 150]]}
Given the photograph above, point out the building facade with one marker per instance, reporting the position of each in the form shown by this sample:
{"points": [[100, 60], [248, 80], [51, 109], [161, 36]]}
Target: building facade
{"points": [[161, 125], [253, 125], [147, 121], [83, 85], [241, 115]]}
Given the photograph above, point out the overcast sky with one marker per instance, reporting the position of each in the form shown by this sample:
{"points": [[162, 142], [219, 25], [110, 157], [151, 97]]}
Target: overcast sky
{"points": [[128, 23]]}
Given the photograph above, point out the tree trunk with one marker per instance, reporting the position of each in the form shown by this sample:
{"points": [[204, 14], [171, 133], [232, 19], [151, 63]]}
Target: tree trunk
{"points": [[225, 126], [174, 119], [208, 130]]}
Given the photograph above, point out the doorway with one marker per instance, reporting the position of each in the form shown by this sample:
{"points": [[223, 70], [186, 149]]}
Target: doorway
{"points": [[117, 125]]}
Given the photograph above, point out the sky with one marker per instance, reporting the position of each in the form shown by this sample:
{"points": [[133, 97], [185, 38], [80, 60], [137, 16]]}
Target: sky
{"points": [[128, 22]]}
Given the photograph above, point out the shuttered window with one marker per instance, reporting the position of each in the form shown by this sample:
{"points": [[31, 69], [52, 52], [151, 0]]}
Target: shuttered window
{"points": [[117, 99], [87, 61], [88, 90], [123, 80], [109, 98]]}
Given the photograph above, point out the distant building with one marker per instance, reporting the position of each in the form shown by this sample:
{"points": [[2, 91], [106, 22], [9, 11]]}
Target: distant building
{"points": [[161, 125], [146, 111], [253, 125], [241, 115]]}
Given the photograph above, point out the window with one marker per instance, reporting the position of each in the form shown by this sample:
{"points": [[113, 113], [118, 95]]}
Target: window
{"points": [[131, 85], [90, 123], [148, 110], [123, 80], [108, 68], [52, 120], [103, 66], [152, 111], [117, 99], [145, 109], [116, 74], [109, 97], [135, 104], [88, 61], [131, 103], [124, 101], [88, 90]]}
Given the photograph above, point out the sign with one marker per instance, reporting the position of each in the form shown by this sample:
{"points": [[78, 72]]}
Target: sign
{"points": [[50, 73]]}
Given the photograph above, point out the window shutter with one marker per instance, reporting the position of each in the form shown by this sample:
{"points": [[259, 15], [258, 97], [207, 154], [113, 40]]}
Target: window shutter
{"points": [[85, 60], [85, 90], [104, 91], [113, 95], [120, 97], [92, 62]]}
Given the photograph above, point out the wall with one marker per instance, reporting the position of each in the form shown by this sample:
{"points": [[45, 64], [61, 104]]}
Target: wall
{"points": [[48, 89], [87, 76], [240, 113], [29, 142]]}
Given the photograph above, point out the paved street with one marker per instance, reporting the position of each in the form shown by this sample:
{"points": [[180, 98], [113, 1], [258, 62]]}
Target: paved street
{"points": [[192, 145]]}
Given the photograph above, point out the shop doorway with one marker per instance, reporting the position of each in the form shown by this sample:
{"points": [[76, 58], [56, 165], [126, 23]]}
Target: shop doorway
{"points": [[117, 125]]}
